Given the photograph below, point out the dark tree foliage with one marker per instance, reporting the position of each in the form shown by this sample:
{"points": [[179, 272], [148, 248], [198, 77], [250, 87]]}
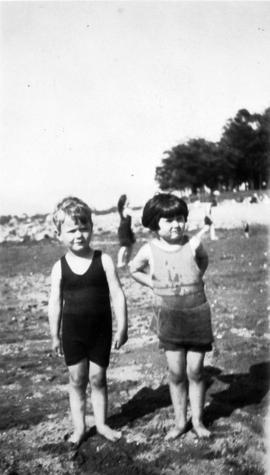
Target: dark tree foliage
{"points": [[242, 155], [244, 147], [193, 164]]}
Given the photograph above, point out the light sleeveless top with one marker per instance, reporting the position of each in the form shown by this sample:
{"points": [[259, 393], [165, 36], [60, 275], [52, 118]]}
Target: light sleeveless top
{"points": [[181, 311]]}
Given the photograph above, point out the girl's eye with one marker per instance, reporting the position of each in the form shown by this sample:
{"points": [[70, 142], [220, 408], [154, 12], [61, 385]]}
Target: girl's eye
{"points": [[179, 220]]}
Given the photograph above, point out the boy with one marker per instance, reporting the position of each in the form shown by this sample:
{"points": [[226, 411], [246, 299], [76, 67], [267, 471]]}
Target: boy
{"points": [[82, 283]]}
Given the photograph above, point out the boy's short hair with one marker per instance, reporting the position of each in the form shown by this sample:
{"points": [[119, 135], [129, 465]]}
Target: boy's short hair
{"points": [[71, 206], [163, 205]]}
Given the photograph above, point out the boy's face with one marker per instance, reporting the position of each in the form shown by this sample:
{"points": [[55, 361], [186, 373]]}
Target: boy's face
{"points": [[76, 236], [171, 229]]}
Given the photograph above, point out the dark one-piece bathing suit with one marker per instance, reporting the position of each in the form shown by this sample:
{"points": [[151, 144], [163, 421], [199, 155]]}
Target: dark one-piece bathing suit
{"points": [[86, 314]]}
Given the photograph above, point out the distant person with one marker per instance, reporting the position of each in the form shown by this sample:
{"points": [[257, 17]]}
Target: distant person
{"points": [[214, 202], [254, 198], [210, 222], [125, 233], [82, 282], [182, 317], [246, 230]]}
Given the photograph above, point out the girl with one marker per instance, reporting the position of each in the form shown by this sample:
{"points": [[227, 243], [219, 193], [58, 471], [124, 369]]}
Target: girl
{"points": [[125, 233], [82, 282], [182, 317]]}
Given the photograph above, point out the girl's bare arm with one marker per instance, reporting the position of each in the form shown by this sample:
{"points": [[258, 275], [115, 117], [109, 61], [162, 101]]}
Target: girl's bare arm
{"points": [[201, 258], [139, 265], [118, 301], [199, 252], [55, 307]]}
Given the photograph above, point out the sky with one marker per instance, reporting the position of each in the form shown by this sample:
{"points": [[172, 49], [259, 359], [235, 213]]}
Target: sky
{"points": [[93, 93]]}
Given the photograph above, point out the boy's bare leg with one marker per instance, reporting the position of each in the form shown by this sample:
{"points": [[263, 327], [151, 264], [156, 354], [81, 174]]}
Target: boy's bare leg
{"points": [[78, 379], [196, 391], [97, 376], [178, 390]]}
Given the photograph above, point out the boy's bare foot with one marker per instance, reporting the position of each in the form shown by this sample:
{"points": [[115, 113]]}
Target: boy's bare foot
{"points": [[75, 438], [109, 433], [175, 432], [201, 431]]}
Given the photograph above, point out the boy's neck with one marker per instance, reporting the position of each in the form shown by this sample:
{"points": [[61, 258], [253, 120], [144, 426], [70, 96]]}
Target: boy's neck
{"points": [[86, 253]]}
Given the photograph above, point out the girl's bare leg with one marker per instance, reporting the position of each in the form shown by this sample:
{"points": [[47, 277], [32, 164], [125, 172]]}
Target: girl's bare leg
{"points": [[196, 391], [178, 389], [97, 376], [78, 379]]}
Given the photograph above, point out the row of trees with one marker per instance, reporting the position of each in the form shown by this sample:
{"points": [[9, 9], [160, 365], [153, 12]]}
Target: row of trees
{"points": [[241, 156]]}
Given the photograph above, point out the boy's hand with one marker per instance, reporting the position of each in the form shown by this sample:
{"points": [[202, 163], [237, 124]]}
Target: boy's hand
{"points": [[120, 339], [57, 346]]}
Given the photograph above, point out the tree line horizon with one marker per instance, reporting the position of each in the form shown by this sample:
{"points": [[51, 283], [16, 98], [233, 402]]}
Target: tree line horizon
{"points": [[242, 155]]}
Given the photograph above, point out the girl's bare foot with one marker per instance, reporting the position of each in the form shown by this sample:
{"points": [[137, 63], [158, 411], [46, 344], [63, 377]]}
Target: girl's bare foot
{"points": [[175, 432], [201, 430], [109, 433]]}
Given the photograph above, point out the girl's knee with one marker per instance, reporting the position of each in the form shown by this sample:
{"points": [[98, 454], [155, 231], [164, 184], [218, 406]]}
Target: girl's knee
{"points": [[177, 377], [195, 374]]}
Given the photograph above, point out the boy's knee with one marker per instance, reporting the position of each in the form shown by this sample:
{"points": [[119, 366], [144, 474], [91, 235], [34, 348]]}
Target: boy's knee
{"points": [[78, 382], [98, 381]]}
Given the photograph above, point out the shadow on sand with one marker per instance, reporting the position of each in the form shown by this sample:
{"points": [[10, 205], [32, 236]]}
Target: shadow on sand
{"points": [[244, 390]]}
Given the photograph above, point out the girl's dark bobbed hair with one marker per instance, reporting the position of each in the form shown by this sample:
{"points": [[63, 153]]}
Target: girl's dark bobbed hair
{"points": [[163, 205]]}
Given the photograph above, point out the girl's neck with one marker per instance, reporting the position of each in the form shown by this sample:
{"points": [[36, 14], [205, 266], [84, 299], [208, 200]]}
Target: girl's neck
{"points": [[169, 246]]}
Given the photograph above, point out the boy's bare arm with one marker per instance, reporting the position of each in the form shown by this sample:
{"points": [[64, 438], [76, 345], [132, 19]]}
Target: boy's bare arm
{"points": [[55, 307], [138, 265], [118, 301]]}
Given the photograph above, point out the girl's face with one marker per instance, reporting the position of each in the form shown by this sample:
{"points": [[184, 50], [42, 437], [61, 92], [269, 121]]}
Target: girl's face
{"points": [[171, 229], [76, 236]]}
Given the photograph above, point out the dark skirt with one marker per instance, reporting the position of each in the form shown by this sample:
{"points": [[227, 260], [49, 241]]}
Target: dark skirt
{"points": [[185, 327]]}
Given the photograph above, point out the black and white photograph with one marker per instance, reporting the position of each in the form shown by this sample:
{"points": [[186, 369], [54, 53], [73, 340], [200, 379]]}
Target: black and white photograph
{"points": [[134, 237]]}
